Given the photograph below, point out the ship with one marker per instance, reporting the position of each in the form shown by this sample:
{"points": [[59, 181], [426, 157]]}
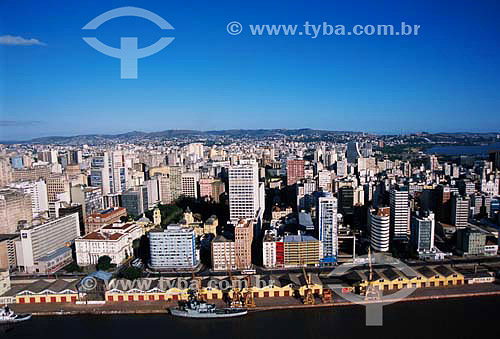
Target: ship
{"points": [[195, 308], [7, 316]]}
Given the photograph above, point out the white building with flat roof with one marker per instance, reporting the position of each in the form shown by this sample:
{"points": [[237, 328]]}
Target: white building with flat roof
{"points": [[42, 240], [173, 247]]}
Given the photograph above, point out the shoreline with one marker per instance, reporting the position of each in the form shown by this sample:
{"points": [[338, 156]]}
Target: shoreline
{"points": [[86, 311]]}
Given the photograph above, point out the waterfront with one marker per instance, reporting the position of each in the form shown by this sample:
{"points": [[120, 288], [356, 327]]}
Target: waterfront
{"points": [[463, 150], [460, 318]]}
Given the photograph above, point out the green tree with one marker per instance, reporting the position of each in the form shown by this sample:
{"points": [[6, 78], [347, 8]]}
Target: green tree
{"points": [[104, 263]]}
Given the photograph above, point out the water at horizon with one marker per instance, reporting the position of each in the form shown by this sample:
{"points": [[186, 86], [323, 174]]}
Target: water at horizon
{"points": [[457, 318], [463, 150]]}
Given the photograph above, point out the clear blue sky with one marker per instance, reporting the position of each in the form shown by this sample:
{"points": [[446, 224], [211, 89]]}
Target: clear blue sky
{"points": [[444, 79]]}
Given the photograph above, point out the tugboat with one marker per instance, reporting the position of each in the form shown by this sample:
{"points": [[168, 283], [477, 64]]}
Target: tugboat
{"points": [[195, 308], [7, 316]]}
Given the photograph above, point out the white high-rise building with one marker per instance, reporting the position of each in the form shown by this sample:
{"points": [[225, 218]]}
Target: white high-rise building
{"points": [[189, 184], [37, 190], [379, 222], [328, 228], [400, 214], [244, 191]]}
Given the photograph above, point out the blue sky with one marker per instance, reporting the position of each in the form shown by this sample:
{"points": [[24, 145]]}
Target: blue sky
{"points": [[444, 79]]}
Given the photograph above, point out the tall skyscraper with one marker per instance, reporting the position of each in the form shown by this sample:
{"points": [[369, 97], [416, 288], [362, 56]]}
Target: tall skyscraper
{"points": [[422, 231], [352, 153], [244, 195], [243, 236], [380, 224], [400, 213], [460, 210], [294, 171], [328, 228]]}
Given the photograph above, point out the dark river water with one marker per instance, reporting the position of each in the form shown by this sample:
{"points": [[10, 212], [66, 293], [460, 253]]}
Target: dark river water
{"points": [[458, 318]]}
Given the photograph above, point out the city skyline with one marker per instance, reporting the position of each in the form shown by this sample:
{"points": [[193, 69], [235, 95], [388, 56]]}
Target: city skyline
{"points": [[442, 80]]}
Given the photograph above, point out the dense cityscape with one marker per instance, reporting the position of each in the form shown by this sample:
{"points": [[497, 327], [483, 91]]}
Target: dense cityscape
{"points": [[275, 210]]}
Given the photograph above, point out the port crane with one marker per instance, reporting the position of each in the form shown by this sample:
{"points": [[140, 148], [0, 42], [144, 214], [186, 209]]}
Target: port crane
{"points": [[249, 299], [308, 292], [372, 292]]}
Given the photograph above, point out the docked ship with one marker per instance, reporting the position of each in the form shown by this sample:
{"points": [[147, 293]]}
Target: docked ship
{"points": [[7, 316], [195, 308]]}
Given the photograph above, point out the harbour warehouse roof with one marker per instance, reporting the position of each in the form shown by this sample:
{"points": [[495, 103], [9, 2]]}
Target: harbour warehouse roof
{"points": [[44, 287]]}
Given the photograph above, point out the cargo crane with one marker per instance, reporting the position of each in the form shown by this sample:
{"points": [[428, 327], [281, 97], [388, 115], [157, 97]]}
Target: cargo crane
{"points": [[236, 300], [308, 292], [249, 299], [372, 292]]}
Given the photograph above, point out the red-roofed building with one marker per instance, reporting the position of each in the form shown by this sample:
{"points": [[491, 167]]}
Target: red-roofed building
{"points": [[113, 240], [97, 220]]}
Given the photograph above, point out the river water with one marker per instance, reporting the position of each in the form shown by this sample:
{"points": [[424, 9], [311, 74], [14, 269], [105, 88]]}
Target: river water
{"points": [[452, 318]]}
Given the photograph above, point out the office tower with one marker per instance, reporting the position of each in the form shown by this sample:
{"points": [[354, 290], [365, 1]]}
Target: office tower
{"points": [[15, 210], [37, 190], [342, 168], [432, 163], [165, 193], [5, 172], [173, 247], [17, 162], [43, 248], [328, 229], [211, 188], [352, 153], [422, 231], [400, 213], [471, 241], [325, 180], [8, 259], [196, 150], [244, 199], [494, 157], [135, 200], [223, 254], [294, 171], [175, 177], [58, 186], [34, 173], [346, 200], [444, 202], [189, 184], [153, 188], [380, 225], [243, 236], [459, 210], [89, 197], [101, 174]]}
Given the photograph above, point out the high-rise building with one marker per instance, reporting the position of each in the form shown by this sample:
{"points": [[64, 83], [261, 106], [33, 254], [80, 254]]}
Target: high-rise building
{"points": [[89, 197], [294, 171], [15, 210], [422, 231], [173, 247], [352, 153], [244, 195], [37, 190], [243, 236], [459, 210], [400, 213], [189, 184], [380, 224], [346, 200], [328, 229], [135, 200]]}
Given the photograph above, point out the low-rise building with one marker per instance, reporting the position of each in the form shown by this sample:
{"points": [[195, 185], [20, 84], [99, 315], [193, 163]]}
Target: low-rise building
{"points": [[99, 219], [113, 240]]}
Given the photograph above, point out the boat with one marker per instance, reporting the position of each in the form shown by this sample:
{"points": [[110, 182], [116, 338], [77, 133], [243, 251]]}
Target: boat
{"points": [[195, 308], [7, 316]]}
